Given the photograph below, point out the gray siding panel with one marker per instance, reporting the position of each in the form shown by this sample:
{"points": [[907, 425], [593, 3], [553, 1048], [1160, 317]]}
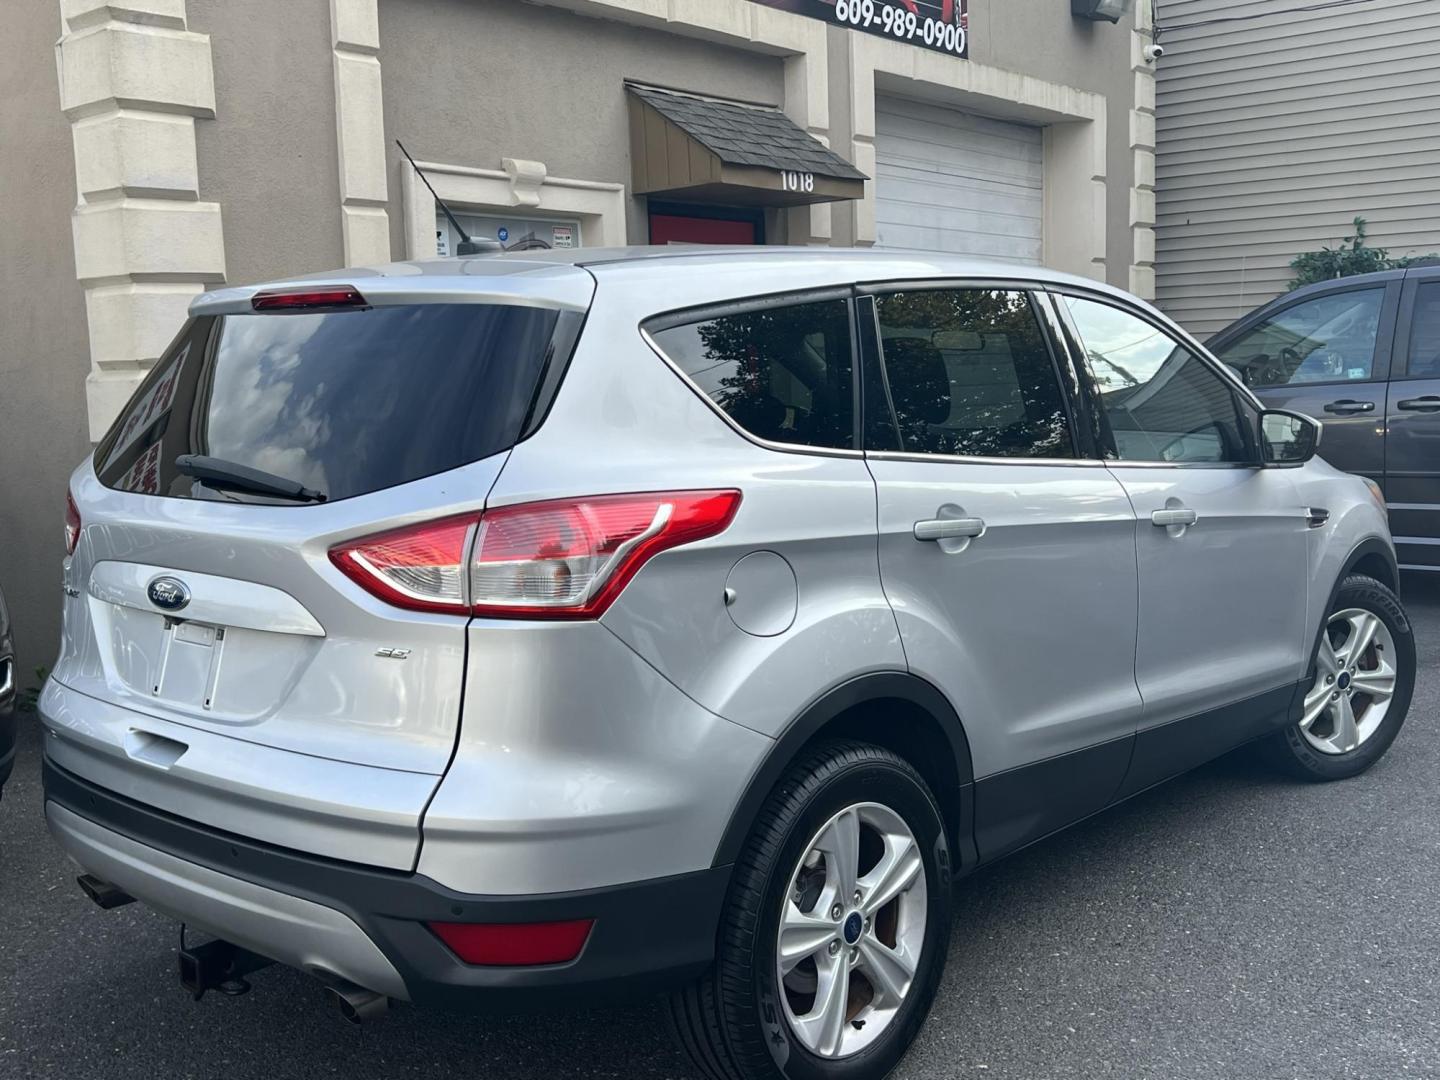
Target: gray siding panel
{"points": [[1274, 133]]}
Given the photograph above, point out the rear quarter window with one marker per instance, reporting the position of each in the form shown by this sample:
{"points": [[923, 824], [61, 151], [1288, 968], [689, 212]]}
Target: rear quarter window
{"points": [[344, 403], [784, 373]]}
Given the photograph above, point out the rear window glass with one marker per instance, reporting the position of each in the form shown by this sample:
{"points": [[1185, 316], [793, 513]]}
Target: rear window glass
{"points": [[784, 374], [341, 403]]}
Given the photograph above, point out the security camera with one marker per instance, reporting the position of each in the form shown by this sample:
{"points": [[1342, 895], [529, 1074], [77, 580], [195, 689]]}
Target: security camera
{"points": [[1153, 52]]}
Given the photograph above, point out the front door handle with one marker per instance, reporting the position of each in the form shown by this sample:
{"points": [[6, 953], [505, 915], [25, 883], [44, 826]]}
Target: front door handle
{"points": [[1347, 406], [1166, 518], [966, 528], [1428, 403]]}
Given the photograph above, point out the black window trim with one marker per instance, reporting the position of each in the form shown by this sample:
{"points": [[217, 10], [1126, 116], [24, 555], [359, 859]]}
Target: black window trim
{"points": [[667, 320], [1241, 394], [867, 320], [1404, 324], [1060, 359], [1383, 361]]}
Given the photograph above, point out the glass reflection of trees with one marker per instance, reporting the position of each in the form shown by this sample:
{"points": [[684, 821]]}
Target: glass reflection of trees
{"points": [[970, 375], [781, 373]]}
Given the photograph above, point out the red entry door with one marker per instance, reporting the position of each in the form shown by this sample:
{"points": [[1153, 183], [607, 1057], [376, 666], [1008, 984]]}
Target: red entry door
{"points": [[678, 229]]}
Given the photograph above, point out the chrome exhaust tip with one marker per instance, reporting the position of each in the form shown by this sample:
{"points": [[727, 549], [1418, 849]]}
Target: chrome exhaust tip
{"points": [[356, 1004]]}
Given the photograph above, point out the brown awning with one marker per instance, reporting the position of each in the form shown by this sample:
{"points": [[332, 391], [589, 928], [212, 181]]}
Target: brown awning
{"points": [[707, 150]]}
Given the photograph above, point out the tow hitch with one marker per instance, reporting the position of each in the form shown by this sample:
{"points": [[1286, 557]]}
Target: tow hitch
{"points": [[217, 965]]}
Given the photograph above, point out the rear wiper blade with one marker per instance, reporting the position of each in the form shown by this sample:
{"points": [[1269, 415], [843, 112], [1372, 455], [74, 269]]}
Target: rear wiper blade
{"points": [[235, 475]]}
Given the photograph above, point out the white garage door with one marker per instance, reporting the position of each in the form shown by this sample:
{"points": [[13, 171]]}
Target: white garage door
{"points": [[951, 181]]}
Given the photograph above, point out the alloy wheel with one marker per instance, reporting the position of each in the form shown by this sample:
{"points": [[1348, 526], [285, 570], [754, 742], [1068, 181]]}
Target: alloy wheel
{"points": [[1355, 679], [852, 930]]}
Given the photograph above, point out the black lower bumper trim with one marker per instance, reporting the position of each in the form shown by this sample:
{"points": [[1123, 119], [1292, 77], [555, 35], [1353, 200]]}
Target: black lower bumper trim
{"points": [[648, 936], [7, 742]]}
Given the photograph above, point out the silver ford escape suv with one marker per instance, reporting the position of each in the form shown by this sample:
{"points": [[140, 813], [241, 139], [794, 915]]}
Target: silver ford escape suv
{"points": [[521, 629]]}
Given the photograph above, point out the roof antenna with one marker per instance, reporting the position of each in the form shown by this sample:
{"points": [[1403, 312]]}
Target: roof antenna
{"points": [[466, 246]]}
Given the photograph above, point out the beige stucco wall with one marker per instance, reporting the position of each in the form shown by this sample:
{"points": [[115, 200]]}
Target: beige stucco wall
{"points": [[469, 82], [268, 157], [1059, 53], [44, 349], [1047, 43]]}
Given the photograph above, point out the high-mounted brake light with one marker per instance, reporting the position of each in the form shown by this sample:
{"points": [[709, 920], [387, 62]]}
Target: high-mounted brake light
{"points": [[323, 297], [515, 944], [565, 559], [72, 524]]}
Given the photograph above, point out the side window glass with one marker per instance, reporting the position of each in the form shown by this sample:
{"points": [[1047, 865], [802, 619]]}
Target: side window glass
{"points": [[1424, 360], [1160, 401], [1328, 339], [129, 456], [784, 374], [970, 375]]}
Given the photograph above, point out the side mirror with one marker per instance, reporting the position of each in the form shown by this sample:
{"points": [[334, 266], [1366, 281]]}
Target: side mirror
{"points": [[1287, 438]]}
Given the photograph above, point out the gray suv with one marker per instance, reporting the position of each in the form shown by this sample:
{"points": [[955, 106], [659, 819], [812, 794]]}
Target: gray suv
{"points": [[519, 629], [1361, 355]]}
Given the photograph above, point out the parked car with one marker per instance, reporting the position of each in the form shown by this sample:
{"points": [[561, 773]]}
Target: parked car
{"points": [[7, 696], [523, 629], [1361, 355]]}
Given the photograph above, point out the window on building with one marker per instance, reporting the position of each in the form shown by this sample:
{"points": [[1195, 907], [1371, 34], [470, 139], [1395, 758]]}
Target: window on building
{"points": [[512, 233]]}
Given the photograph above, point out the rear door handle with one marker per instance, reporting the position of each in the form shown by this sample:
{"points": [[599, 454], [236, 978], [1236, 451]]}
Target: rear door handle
{"points": [[949, 528], [1428, 403], [1346, 406], [1164, 518]]}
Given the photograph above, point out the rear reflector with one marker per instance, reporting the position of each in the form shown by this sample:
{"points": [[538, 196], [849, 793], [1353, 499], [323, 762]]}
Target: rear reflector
{"points": [[565, 559], [515, 944], [323, 297], [72, 524]]}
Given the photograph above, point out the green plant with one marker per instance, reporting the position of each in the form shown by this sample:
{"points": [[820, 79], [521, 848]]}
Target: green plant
{"points": [[27, 700], [1353, 256]]}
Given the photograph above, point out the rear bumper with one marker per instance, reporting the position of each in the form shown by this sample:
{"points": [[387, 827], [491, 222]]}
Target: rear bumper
{"points": [[368, 925]]}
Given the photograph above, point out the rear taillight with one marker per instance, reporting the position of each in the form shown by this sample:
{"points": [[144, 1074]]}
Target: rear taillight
{"points": [[571, 558], [72, 524], [421, 567], [515, 944], [566, 559]]}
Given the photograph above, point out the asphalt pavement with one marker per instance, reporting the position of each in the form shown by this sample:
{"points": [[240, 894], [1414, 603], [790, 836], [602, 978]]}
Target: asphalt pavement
{"points": [[1229, 924]]}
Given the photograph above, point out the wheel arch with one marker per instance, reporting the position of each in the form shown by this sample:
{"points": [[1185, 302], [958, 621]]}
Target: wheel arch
{"points": [[1372, 557], [897, 710]]}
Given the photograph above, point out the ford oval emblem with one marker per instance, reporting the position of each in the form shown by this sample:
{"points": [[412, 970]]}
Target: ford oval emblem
{"points": [[168, 593]]}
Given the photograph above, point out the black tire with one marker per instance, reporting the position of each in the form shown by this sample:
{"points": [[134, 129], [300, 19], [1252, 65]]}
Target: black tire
{"points": [[730, 1021], [1288, 748]]}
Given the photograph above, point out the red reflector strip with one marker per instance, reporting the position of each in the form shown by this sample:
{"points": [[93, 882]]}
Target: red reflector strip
{"points": [[515, 944], [327, 296]]}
